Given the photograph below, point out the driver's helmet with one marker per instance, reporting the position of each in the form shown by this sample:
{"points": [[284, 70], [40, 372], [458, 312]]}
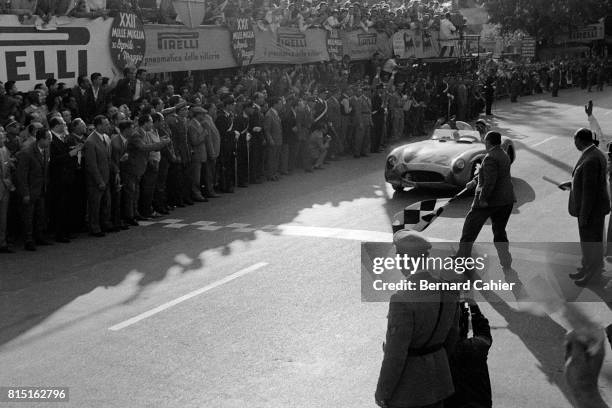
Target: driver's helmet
{"points": [[482, 127]]}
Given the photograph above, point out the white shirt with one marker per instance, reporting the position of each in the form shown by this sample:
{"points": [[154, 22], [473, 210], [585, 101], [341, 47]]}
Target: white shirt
{"points": [[599, 134], [137, 89]]}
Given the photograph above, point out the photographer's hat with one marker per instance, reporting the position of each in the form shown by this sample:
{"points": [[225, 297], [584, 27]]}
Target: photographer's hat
{"points": [[410, 243]]}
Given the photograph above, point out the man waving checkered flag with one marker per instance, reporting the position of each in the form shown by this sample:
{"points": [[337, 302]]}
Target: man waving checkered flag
{"points": [[419, 216]]}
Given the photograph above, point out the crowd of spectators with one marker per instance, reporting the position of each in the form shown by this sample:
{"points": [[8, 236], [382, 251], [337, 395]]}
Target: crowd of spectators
{"points": [[173, 144], [387, 16], [518, 79]]}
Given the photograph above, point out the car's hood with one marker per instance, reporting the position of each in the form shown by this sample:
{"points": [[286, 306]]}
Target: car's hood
{"points": [[434, 151]]}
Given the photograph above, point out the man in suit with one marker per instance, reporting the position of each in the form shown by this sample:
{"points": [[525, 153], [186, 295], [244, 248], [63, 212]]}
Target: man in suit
{"points": [[197, 140], [303, 123], [290, 148], [32, 169], [179, 175], [244, 108], [78, 191], [126, 88], [589, 201], [256, 148], [227, 155], [494, 199], [96, 96], [378, 118], [357, 122], [6, 188], [335, 119], [273, 132], [141, 86], [213, 150], [118, 170], [79, 92], [97, 154], [422, 330], [138, 156], [62, 172]]}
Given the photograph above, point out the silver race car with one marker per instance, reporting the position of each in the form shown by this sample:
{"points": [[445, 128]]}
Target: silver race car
{"points": [[449, 159]]}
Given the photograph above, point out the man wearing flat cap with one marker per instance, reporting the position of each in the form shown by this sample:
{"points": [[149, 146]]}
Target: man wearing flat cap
{"points": [[422, 329]]}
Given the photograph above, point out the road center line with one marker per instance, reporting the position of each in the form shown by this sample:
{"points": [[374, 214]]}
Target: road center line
{"points": [[188, 296], [544, 141]]}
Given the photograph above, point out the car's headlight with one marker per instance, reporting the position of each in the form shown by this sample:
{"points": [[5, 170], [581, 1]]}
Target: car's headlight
{"points": [[459, 165], [391, 161]]}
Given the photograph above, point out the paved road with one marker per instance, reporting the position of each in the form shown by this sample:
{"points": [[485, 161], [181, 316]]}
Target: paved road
{"points": [[253, 299]]}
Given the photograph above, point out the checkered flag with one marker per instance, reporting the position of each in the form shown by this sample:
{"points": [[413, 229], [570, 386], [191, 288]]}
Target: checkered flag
{"points": [[419, 216]]}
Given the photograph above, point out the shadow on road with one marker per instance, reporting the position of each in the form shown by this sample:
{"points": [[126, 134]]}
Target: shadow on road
{"points": [[34, 286]]}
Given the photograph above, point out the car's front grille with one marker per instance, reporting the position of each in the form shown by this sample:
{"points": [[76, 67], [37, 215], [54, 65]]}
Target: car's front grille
{"points": [[425, 177]]}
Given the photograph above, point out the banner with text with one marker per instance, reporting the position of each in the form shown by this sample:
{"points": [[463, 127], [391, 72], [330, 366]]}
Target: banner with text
{"points": [[290, 46], [243, 39], [584, 34], [415, 44], [334, 45], [29, 56], [360, 45], [172, 48]]}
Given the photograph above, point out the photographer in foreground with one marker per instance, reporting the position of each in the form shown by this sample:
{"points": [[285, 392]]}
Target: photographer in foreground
{"points": [[468, 362]]}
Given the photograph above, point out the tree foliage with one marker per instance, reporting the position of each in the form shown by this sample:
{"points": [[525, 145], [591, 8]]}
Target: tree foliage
{"points": [[544, 19]]}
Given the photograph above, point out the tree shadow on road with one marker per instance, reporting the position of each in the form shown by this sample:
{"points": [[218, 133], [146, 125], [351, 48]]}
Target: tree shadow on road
{"points": [[34, 286]]}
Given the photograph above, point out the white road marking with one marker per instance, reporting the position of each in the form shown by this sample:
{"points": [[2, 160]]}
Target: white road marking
{"points": [[188, 296], [203, 223], [176, 225], [209, 228], [544, 141], [237, 225], [339, 233], [170, 221]]}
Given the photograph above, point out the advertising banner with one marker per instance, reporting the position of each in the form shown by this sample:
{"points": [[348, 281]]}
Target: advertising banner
{"points": [[360, 45], [172, 48], [584, 34], [243, 39], [334, 45], [127, 41], [29, 55], [290, 46], [415, 44]]}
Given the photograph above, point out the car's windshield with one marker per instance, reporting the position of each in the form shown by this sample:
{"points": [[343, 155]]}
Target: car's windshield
{"points": [[451, 134]]}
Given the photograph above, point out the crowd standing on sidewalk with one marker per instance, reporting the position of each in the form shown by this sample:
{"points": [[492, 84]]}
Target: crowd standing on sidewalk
{"points": [[102, 155]]}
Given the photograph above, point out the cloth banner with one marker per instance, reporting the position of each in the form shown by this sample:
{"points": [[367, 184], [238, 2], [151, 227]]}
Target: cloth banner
{"points": [[335, 48], [416, 44], [290, 46], [243, 39], [73, 47], [360, 45], [172, 48]]}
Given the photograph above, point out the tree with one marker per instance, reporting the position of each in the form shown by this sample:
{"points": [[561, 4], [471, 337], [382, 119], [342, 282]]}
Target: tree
{"points": [[544, 19]]}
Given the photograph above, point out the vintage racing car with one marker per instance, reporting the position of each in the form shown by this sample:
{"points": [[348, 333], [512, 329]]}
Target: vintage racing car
{"points": [[449, 159]]}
